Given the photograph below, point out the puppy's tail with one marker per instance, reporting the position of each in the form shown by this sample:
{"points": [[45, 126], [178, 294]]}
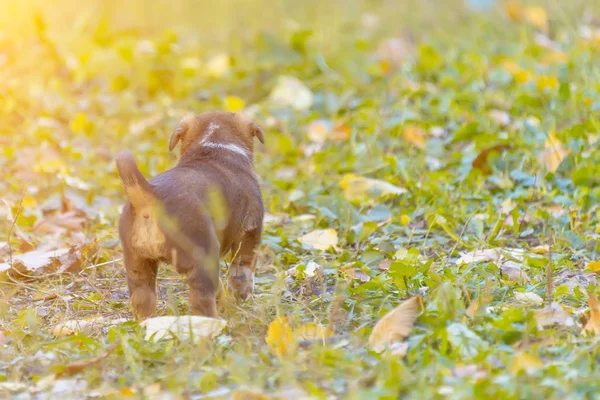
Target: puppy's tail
{"points": [[138, 189]]}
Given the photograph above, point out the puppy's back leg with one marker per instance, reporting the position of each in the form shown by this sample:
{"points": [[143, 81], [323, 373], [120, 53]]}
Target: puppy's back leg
{"points": [[240, 277], [203, 280], [141, 281]]}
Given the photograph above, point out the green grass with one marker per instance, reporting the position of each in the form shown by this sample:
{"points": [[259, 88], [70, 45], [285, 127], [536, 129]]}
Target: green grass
{"points": [[86, 81]]}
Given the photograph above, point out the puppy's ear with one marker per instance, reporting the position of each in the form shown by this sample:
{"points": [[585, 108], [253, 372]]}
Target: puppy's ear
{"points": [[186, 123], [257, 132]]}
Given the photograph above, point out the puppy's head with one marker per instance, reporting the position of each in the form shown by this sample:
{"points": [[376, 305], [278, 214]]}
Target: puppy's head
{"points": [[217, 127]]}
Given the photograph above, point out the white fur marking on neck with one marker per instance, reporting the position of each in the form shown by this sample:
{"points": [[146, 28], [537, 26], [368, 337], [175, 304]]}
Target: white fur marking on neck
{"points": [[212, 127], [227, 146]]}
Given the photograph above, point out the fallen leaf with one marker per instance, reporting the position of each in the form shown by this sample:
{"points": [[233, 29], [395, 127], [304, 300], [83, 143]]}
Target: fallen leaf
{"points": [[476, 304], [40, 261], [280, 338], [395, 325], [544, 82], [183, 327], [553, 153], [80, 365], [291, 92], [313, 332], [528, 298], [593, 323], [60, 223], [88, 326], [341, 132], [593, 266], [514, 272], [318, 131], [536, 16], [415, 135], [481, 161], [321, 239], [554, 314], [392, 52], [359, 187], [476, 256], [525, 362]]}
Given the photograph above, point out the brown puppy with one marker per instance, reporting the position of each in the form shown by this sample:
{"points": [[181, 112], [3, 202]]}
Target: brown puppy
{"points": [[208, 205]]}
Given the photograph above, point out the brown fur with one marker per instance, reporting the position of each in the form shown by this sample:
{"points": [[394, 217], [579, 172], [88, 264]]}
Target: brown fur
{"points": [[205, 207]]}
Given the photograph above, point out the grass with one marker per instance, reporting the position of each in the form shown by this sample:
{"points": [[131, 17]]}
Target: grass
{"points": [[486, 122]]}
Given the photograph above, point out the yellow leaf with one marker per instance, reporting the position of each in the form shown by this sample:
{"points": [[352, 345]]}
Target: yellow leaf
{"points": [[341, 132], [234, 103], [321, 239], [404, 219], [395, 325], [79, 123], [29, 201], [593, 266], [536, 16], [546, 82], [50, 166], [525, 362], [313, 332], [358, 187], [553, 153], [280, 338], [593, 324], [476, 304], [514, 10], [415, 135], [522, 76], [127, 392]]}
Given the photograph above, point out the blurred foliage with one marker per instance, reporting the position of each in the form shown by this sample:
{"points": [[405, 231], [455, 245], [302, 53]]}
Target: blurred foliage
{"points": [[401, 136]]}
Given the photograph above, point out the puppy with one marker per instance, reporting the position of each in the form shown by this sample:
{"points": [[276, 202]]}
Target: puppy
{"points": [[205, 207]]}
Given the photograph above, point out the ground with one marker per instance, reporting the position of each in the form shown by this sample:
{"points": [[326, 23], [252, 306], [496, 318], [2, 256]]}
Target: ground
{"points": [[439, 155]]}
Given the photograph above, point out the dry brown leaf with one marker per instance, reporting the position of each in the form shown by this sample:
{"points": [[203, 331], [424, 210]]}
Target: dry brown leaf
{"points": [[514, 272], [528, 298], [88, 326], [40, 261], [395, 325], [415, 135], [554, 314], [341, 132], [525, 362], [183, 327], [481, 161], [476, 304], [60, 223], [313, 332], [80, 365], [593, 323], [553, 154]]}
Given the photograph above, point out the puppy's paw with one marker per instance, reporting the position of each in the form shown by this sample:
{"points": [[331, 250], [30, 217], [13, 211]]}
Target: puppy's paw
{"points": [[143, 302], [240, 282]]}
